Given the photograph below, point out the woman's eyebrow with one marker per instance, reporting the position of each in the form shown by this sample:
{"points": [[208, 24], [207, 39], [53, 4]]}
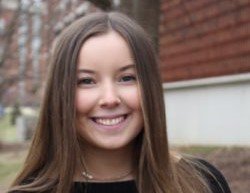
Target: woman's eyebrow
{"points": [[86, 71], [124, 68]]}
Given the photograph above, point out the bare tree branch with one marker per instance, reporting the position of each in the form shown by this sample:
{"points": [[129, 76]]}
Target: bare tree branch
{"points": [[8, 34]]}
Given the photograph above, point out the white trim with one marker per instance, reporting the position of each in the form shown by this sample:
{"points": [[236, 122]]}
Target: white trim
{"points": [[217, 114], [208, 81]]}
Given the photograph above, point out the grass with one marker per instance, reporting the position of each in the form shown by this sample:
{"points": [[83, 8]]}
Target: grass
{"points": [[7, 131], [8, 171], [193, 150], [10, 164]]}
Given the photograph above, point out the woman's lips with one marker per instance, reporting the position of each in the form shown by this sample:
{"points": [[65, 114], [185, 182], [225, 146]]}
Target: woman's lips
{"points": [[109, 121], [113, 122]]}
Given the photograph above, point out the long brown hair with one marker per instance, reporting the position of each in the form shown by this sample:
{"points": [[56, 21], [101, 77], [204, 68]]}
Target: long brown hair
{"points": [[52, 157]]}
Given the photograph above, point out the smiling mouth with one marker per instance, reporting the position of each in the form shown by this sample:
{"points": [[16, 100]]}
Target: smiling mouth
{"points": [[109, 121]]}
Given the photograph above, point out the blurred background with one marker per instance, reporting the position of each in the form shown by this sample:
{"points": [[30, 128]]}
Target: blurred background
{"points": [[204, 51]]}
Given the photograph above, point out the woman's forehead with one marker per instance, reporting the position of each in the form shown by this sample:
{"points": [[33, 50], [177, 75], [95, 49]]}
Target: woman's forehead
{"points": [[108, 48]]}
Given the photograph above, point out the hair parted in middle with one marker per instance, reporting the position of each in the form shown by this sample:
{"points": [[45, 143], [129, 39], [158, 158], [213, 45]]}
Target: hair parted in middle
{"points": [[56, 144]]}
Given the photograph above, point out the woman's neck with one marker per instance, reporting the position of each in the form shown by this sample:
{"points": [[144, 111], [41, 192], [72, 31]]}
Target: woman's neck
{"points": [[103, 164]]}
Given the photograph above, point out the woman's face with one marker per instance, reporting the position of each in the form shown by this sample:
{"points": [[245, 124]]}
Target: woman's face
{"points": [[109, 114]]}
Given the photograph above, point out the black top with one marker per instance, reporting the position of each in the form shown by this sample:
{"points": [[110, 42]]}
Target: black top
{"points": [[218, 185], [105, 187], [217, 182]]}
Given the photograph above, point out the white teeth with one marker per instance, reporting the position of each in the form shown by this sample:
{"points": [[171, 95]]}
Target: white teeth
{"points": [[105, 121]]}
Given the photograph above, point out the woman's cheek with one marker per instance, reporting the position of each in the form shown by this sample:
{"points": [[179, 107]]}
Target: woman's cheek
{"points": [[85, 100], [132, 97]]}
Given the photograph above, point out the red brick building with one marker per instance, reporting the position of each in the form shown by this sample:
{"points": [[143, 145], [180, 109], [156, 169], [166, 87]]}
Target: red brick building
{"points": [[204, 38], [205, 52]]}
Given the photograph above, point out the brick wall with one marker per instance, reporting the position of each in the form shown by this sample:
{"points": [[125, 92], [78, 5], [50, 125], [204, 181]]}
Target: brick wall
{"points": [[204, 38]]}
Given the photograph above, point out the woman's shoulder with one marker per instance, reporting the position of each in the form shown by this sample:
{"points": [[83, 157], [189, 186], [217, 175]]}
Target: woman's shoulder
{"points": [[212, 175]]}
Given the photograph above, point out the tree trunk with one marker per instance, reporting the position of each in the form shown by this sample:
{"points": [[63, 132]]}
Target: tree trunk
{"points": [[146, 13]]}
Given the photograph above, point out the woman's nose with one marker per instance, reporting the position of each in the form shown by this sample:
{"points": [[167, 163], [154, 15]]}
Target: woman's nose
{"points": [[109, 96]]}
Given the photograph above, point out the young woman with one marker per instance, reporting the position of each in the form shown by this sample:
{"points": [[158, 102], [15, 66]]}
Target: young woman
{"points": [[102, 123]]}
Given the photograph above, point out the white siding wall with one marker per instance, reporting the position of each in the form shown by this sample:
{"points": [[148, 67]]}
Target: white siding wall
{"points": [[212, 111]]}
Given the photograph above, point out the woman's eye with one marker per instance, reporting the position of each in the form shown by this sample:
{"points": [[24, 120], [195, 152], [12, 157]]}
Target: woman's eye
{"points": [[128, 78], [85, 81]]}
